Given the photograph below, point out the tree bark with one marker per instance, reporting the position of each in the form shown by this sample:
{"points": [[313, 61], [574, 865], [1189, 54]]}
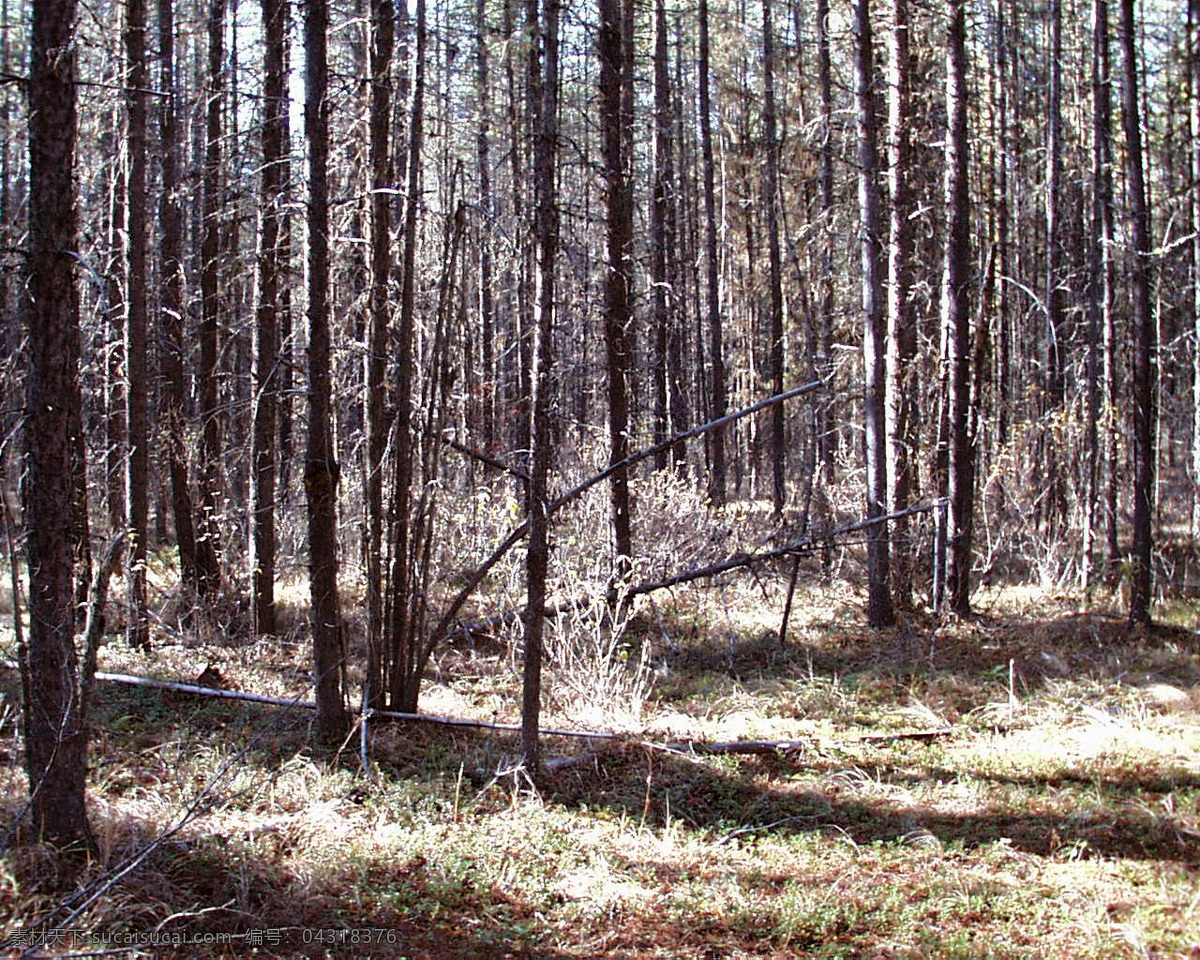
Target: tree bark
{"points": [[174, 411], [136, 388], [879, 590], [901, 386], [1145, 375], [956, 319], [56, 733], [544, 99], [1101, 379], [772, 200], [401, 638], [207, 567], [618, 310], [716, 352], [383, 38], [321, 468], [265, 347], [1194, 157]]}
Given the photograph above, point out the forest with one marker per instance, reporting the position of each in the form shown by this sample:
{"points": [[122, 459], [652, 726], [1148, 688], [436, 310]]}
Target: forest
{"points": [[632, 478]]}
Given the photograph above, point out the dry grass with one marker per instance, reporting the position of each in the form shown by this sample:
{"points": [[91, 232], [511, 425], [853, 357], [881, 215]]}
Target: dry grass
{"points": [[1058, 818]]}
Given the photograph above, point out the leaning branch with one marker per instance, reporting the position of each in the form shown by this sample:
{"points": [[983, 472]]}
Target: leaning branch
{"points": [[476, 578], [798, 548]]}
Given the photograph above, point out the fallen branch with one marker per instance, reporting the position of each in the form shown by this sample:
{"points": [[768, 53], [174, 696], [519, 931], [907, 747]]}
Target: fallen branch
{"points": [[200, 691]]}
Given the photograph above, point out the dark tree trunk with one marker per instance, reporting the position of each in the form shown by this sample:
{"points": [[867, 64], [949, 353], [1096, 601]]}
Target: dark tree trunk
{"points": [[956, 319], [901, 388], [401, 638], [56, 733], [716, 350], [775, 328], [879, 590], [669, 394], [1055, 336], [544, 100], [207, 567], [487, 306], [1101, 381], [618, 311], [174, 411], [1145, 375], [383, 30], [826, 435], [321, 468], [266, 328], [136, 388], [1194, 158]]}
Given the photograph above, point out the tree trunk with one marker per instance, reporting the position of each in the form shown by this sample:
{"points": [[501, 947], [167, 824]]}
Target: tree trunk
{"points": [[879, 590], [618, 312], [56, 732], [901, 387], [321, 468], [1101, 381], [772, 200], [265, 347], [136, 388], [401, 637], [716, 351], [1194, 157], [669, 394], [1055, 336], [383, 36], [207, 568], [1145, 376], [826, 431], [487, 306], [544, 100], [956, 319], [174, 412]]}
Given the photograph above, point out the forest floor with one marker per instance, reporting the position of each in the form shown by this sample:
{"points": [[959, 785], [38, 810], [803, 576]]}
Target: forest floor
{"points": [[1051, 808]]}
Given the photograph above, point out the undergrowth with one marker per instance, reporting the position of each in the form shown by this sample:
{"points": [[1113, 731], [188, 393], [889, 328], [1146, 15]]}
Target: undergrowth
{"points": [[1049, 808]]}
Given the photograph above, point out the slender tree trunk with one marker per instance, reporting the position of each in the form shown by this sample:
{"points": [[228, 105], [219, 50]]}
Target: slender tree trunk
{"points": [[826, 435], [174, 412], [956, 319], [487, 306], [266, 328], [383, 37], [56, 731], [1101, 381], [544, 98], [1194, 157], [901, 387], [1055, 336], [775, 328], [401, 636], [321, 468], [879, 590], [618, 311], [668, 388], [136, 388], [207, 568], [716, 351], [1145, 375]]}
